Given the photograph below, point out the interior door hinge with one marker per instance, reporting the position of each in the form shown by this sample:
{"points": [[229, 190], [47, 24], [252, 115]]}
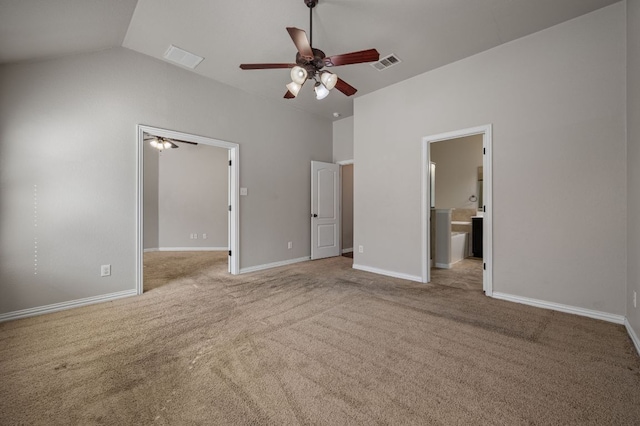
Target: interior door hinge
{"points": [[229, 162], [229, 208], [484, 265], [484, 152], [229, 252]]}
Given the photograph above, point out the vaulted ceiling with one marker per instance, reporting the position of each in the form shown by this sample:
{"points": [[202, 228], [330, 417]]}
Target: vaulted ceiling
{"points": [[423, 34]]}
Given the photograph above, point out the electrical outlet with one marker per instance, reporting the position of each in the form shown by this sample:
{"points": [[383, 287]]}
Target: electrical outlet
{"points": [[191, 236], [360, 249], [105, 270], [289, 244], [195, 236], [204, 236]]}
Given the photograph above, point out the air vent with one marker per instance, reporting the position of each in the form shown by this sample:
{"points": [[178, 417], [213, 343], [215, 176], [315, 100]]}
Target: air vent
{"points": [[386, 62], [182, 57]]}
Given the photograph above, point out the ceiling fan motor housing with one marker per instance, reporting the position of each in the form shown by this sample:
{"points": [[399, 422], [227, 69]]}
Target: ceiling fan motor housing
{"points": [[314, 65], [311, 3]]}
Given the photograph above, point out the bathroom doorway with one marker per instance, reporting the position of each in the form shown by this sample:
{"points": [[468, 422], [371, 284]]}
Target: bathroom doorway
{"points": [[461, 209]]}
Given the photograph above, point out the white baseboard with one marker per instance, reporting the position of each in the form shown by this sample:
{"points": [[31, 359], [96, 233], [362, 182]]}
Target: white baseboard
{"points": [[633, 335], [65, 305], [444, 265], [388, 273], [273, 265], [147, 250], [347, 250], [605, 316]]}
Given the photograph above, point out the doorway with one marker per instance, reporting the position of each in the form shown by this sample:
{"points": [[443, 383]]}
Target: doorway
{"points": [[484, 188], [232, 191]]}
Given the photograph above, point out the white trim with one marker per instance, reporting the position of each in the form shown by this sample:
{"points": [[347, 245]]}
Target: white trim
{"points": [[151, 250], [234, 193], [633, 335], [487, 143], [347, 250], [344, 162], [444, 265], [273, 265], [191, 249], [618, 319], [388, 273], [47, 309]]}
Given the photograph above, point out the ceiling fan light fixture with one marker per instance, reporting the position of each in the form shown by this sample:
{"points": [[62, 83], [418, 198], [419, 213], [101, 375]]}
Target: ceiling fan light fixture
{"points": [[329, 79], [154, 143], [294, 88], [299, 74], [321, 91], [166, 145]]}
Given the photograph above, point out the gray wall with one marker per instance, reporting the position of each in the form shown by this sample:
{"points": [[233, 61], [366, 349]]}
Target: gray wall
{"points": [[193, 197], [556, 100], [343, 139], [457, 162], [69, 126], [151, 176], [633, 160]]}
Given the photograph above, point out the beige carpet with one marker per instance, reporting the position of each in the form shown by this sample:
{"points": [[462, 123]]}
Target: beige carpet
{"points": [[312, 343]]}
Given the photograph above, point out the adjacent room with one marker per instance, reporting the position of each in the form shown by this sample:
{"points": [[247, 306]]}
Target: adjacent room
{"points": [[286, 212]]}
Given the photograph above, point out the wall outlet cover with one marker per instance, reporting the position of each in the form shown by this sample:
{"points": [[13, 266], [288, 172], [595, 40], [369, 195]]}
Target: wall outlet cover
{"points": [[105, 270]]}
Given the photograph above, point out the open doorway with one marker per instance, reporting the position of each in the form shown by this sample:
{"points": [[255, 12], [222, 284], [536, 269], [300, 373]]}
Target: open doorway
{"points": [[464, 210], [212, 229]]}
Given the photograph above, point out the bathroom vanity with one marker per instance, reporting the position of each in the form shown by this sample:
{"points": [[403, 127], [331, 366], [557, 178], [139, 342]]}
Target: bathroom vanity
{"points": [[476, 230]]}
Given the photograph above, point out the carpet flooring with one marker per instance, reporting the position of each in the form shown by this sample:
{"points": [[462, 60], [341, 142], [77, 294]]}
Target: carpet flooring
{"points": [[312, 343]]}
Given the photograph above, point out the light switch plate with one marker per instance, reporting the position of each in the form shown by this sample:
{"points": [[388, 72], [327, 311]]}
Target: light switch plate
{"points": [[243, 191]]}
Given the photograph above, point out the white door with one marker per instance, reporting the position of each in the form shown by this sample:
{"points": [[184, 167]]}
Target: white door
{"points": [[325, 210]]}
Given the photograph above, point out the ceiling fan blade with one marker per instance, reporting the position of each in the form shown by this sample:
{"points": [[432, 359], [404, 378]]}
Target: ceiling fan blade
{"points": [[265, 66], [178, 140], [345, 87], [289, 95], [301, 41], [352, 58]]}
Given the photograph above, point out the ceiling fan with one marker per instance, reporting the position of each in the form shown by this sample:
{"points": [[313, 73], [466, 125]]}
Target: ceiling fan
{"points": [[161, 143], [310, 61]]}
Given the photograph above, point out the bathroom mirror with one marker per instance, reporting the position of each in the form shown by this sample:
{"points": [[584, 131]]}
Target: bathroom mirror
{"points": [[432, 181]]}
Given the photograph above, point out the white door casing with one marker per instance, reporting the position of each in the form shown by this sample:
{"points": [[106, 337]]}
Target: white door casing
{"points": [[325, 210], [487, 233]]}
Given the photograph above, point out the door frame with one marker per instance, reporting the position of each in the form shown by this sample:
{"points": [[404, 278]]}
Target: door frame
{"points": [[233, 191], [341, 164], [487, 194]]}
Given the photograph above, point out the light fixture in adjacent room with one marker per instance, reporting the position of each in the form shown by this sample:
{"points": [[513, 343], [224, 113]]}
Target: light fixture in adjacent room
{"points": [[162, 143]]}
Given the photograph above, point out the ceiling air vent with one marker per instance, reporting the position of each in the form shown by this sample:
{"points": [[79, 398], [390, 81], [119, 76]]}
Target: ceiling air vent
{"points": [[386, 62], [182, 57]]}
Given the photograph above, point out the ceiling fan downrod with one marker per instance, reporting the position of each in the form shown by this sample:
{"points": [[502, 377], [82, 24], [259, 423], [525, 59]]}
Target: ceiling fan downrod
{"points": [[311, 4]]}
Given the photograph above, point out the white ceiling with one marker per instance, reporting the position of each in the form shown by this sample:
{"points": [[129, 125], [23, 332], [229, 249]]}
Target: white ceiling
{"points": [[424, 34]]}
